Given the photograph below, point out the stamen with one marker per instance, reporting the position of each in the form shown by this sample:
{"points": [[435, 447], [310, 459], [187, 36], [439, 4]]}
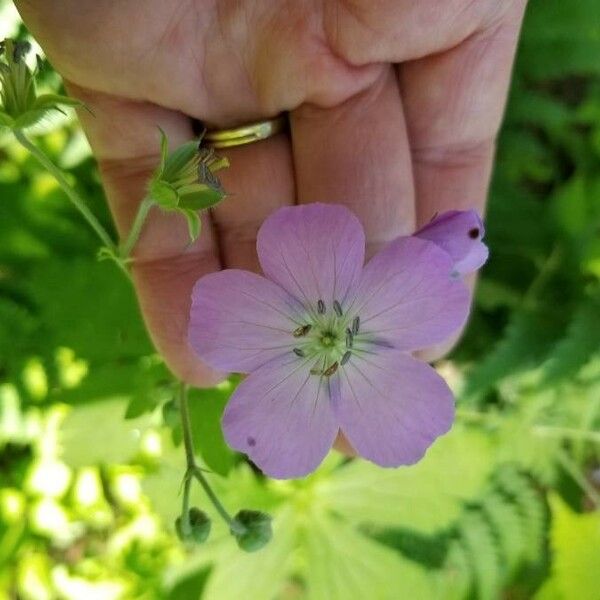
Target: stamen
{"points": [[355, 325], [316, 371], [329, 371], [349, 338], [338, 308], [299, 352], [474, 233], [345, 358], [301, 331], [321, 307]]}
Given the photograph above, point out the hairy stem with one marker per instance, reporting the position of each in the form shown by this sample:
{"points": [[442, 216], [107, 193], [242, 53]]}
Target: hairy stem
{"points": [[73, 196], [192, 468], [136, 228]]}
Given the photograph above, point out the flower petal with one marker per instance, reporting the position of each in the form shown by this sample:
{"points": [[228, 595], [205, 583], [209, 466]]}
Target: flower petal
{"points": [[281, 417], [392, 407], [407, 297], [240, 320], [315, 251], [459, 233]]}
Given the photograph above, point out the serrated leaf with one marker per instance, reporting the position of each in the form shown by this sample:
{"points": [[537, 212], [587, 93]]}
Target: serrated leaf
{"points": [[506, 523], [526, 341], [519, 489], [456, 578], [577, 348], [480, 545]]}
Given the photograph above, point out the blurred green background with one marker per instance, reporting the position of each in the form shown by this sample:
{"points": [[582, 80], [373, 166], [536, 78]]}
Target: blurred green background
{"points": [[505, 506]]}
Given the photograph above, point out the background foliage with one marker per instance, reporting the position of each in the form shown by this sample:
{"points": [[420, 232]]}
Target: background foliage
{"points": [[506, 505]]}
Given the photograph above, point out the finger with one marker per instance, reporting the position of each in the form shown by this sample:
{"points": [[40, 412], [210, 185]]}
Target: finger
{"points": [[260, 180], [454, 103], [365, 32], [357, 154], [124, 137]]}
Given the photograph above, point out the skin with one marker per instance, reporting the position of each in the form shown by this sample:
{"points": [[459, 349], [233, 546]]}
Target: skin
{"points": [[394, 108]]}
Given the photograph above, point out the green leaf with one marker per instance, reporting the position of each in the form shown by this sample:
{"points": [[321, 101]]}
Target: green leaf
{"points": [[96, 433], [427, 496], [261, 575], [479, 542], [206, 408], [575, 540], [576, 349], [342, 564], [506, 523], [560, 39], [526, 340]]}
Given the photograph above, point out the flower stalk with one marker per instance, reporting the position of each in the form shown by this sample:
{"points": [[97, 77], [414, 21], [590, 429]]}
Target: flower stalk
{"points": [[70, 191], [193, 470]]}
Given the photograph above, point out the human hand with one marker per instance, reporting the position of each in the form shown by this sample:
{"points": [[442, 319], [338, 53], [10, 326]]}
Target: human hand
{"points": [[394, 108]]}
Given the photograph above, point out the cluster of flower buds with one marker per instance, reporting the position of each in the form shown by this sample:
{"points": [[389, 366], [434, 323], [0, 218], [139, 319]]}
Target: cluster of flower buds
{"points": [[20, 104], [251, 528]]}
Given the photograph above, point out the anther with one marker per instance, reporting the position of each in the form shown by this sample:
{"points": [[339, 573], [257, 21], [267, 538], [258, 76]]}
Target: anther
{"points": [[474, 233], [299, 352], [355, 325], [345, 358], [329, 371], [337, 307], [321, 307], [349, 338], [301, 331]]}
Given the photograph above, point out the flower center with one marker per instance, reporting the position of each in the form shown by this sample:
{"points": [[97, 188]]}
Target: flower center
{"points": [[328, 338]]}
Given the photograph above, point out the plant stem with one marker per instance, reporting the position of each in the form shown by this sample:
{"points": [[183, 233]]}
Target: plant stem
{"points": [[192, 468], [73, 196], [136, 228]]}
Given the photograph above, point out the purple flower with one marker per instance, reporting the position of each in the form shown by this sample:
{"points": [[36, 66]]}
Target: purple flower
{"points": [[459, 233], [327, 340]]}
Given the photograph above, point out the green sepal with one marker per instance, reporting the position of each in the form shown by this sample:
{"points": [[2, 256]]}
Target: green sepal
{"points": [[164, 151], [6, 120], [178, 159], [50, 101], [195, 528], [199, 196], [194, 223], [31, 118], [252, 529], [164, 194]]}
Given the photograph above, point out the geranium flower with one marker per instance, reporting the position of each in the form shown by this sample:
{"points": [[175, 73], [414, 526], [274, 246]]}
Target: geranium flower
{"points": [[327, 340]]}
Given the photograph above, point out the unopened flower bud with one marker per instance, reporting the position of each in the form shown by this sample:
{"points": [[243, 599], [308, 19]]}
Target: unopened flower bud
{"points": [[20, 104], [195, 528], [252, 529]]}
